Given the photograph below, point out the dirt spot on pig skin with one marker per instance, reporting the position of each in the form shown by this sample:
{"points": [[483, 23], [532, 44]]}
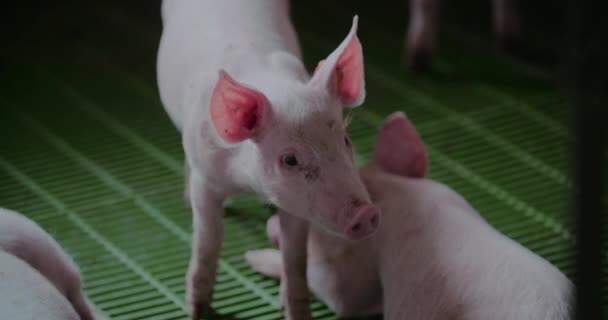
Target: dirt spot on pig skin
{"points": [[311, 173]]}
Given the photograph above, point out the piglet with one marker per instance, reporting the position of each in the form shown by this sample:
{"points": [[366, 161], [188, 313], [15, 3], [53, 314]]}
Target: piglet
{"points": [[433, 257], [26, 294], [32, 261], [421, 38], [254, 122]]}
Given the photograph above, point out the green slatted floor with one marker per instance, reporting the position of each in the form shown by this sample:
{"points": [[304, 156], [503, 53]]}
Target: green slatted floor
{"points": [[89, 153]]}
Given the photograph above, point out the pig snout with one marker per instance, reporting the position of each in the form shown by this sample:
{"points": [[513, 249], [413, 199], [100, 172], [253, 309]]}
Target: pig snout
{"points": [[365, 220]]}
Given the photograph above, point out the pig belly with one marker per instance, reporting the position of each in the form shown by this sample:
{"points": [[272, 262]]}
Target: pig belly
{"points": [[27, 295], [200, 37]]}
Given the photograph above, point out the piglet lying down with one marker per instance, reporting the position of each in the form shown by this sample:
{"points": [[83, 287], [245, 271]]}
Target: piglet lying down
{"points": [[37, 279], [433, 256]]}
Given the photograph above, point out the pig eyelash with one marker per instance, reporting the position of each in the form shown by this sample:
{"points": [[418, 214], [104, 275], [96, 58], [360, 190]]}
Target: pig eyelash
{"points": [[347, 120], [347, 141]]}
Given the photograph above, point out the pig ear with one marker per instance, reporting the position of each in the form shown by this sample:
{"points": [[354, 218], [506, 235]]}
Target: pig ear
{"points": [[399, 149], [342, 72], [236, 111]]}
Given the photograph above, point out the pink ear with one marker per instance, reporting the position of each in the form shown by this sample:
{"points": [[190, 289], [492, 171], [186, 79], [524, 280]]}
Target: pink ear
{"points": [[399, 149], [236, 111], [349, 73], [342, 71]]}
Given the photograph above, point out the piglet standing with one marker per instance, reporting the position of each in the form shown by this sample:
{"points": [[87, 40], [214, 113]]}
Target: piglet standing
{"points": [[433, 257], [253, 122], [36, 275]]}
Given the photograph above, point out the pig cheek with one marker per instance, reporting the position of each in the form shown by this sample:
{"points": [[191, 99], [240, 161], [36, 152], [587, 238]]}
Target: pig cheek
{"points": [[292, 195], [326, 211]]}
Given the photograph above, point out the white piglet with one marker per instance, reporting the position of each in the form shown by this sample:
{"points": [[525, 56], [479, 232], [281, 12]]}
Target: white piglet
{"points": [[37, 279], [433, 256], [254, 122]]}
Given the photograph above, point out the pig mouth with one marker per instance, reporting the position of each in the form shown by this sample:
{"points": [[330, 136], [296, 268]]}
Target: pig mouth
{"points": [[333, 230]]}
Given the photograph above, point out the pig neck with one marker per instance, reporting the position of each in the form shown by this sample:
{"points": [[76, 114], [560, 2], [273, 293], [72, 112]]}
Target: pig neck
{"points": [[424, 228], [409, 209], [384, 188], [273, 73], [377, 181]]}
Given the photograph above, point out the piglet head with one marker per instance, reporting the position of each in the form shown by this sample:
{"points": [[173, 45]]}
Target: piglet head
{"points": [[297, 141]]}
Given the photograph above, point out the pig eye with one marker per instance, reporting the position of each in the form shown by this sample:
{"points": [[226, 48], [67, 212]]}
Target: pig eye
{"points": [[347, 141], [290, 160]]}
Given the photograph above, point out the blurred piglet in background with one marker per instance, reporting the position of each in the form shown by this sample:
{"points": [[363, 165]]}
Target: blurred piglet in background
{"points": [[253, 121], [433, 256], [421, 37], [37, 279]]}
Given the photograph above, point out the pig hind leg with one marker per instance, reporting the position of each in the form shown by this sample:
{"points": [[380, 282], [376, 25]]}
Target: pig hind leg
{"points": [[266, 261], [421, 35]]}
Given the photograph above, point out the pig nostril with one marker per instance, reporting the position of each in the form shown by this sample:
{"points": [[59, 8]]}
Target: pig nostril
{"points": [[364, 222], [374, 221]]}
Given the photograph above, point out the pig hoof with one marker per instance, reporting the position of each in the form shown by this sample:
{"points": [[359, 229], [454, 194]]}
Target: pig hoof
{"points": [[418, 61], [198, 310], [198, 305]]}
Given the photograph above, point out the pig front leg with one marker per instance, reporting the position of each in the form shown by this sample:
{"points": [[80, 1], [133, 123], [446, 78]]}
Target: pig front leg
{"points": [[294, 289], [207, 235], [421, 35]]}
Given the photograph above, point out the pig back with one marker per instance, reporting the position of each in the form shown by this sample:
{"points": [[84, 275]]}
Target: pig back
{"points": [[413, 285], [27, 295], [439, 259], [27, 241], [200, 37]]}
